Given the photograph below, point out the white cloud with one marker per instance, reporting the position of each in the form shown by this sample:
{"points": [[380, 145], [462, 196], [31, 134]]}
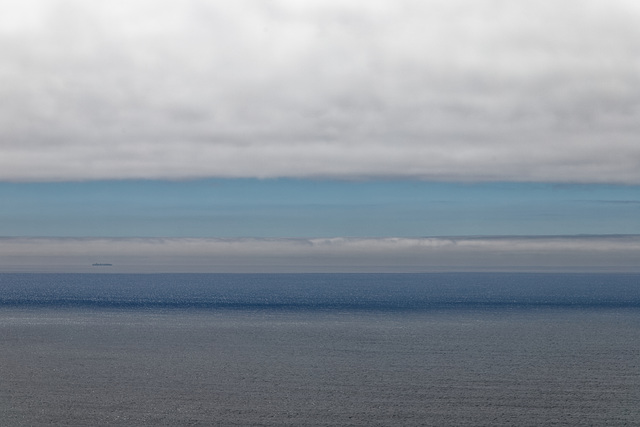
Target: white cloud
{"points": [[581, 253], [461, 90]]}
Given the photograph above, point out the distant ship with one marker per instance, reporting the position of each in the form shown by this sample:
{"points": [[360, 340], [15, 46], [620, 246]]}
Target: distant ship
{"points": [[99, 264]]}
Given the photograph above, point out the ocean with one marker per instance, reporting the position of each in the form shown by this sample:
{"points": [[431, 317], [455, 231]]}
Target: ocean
{"points": [[320, 349]]}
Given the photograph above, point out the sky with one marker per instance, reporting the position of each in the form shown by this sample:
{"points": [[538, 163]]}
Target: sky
{"points": [[272, 124]]}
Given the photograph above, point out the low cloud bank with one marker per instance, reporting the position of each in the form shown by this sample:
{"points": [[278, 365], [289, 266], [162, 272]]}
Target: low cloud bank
{"points": [[156, 255]]}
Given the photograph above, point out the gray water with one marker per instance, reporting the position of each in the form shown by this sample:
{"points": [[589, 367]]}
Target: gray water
{"points": [[329, 350]]}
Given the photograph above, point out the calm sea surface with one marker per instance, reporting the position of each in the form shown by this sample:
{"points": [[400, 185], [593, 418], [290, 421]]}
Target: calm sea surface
{"points": [[319, 349]]}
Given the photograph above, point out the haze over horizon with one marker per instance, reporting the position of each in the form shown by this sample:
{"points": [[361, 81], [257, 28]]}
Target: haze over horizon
{"points": [[272, 124]]}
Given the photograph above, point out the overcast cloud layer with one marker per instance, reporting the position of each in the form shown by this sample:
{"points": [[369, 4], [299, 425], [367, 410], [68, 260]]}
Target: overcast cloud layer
{"points": [[446, 90], [158, 255]]}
